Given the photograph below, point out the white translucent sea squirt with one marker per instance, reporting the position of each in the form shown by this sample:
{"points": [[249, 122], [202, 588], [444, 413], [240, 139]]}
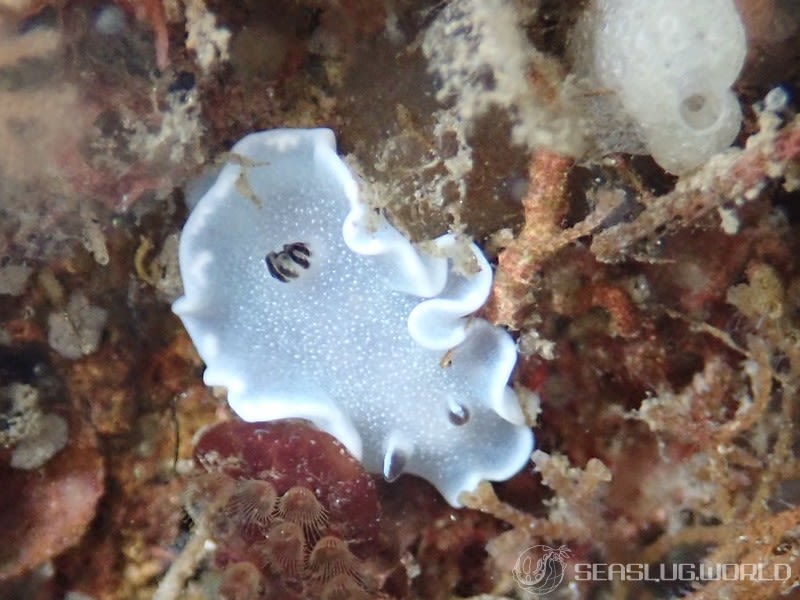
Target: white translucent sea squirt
{"points": [[670, 65], [305, 303]]}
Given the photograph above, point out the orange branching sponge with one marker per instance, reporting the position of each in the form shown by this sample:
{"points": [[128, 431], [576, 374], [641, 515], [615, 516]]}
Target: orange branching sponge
{"points": [[545, 207], [619, 305], [152, 12]]}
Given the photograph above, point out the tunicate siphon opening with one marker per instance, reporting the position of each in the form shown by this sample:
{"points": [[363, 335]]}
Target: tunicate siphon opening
{"points": [[700, 110]]}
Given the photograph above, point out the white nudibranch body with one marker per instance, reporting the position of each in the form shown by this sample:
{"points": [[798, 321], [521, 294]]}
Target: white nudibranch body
{"points": [[306, 303]]}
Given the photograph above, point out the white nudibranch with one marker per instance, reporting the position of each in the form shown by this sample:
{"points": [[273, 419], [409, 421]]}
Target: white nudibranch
{"points": [[305, 303]]}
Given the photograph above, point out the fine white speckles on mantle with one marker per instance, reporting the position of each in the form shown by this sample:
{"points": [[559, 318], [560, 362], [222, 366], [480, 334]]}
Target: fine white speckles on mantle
{"points": [[342, 339]]}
